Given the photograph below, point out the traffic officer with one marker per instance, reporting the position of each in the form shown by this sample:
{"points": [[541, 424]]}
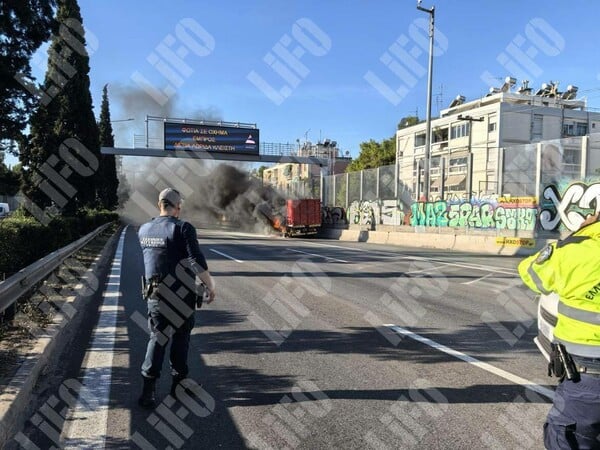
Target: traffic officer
{"points": [[571, 269], [175, 273]]}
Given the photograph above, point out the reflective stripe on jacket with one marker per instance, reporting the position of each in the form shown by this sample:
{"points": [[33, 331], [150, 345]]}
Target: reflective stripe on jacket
{"points": [[571, 268]]}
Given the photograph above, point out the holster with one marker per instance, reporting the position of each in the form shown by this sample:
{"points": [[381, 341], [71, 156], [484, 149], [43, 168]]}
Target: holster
{"points": [[149, 286], [201, 292], [561, 364]]}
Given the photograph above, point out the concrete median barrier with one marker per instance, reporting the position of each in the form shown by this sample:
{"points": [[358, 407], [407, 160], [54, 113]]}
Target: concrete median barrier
{"points": [[448, 240]]}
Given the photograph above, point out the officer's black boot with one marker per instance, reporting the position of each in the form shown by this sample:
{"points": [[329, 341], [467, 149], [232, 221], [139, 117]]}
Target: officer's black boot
{"points": [[176, 380], [147, 399]]}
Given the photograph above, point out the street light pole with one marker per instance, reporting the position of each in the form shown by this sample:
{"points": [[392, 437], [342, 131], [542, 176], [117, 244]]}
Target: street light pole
{"points": [[431, 13]]}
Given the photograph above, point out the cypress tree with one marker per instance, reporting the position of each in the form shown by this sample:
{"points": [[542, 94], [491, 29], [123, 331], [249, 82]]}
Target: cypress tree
{"points": [[107, 190], [62, 157]]}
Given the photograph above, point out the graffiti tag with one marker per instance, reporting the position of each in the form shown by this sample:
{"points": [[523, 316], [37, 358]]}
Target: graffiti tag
{"points": [[475, 215], [571, 208]]}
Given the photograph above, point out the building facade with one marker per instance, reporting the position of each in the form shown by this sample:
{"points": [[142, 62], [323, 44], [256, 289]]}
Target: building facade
{"points": [[469, 139], [304, 180]]}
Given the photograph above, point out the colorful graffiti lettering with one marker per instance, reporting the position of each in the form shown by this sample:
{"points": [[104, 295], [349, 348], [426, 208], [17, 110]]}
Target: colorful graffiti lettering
{"points": [[474, 214], [570, 208]]}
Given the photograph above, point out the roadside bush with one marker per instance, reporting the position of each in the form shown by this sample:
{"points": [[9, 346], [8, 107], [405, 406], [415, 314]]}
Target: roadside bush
{"points": [[24, 240]]}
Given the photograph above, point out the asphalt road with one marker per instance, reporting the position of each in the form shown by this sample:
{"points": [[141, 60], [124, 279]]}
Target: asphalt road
{"points": [[313, 344]]}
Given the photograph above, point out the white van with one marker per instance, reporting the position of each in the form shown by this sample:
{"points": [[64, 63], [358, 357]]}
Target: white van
{"points": [[4, 209]]}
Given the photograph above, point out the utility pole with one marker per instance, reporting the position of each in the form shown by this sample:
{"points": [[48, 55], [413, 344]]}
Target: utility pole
{"points": [[469, 186], [431, 13]]}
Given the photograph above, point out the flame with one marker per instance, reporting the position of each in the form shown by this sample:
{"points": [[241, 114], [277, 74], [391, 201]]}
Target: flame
{"points": [[276, 223]]}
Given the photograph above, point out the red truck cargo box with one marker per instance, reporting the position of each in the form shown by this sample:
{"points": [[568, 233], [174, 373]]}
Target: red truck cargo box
{"points": [[304, 212]]}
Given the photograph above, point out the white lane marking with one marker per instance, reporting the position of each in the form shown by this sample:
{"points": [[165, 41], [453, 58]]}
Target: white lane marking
{"points": [[470, 360], [86, 425], [502, 270], [317, 255], [426, 269], [319, 244], [477, 279], [225, 255], [229, 234]]}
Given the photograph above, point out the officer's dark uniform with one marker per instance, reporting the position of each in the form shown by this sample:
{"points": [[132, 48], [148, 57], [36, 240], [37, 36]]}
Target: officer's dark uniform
{"points": [[172, 256], [571, 269]]}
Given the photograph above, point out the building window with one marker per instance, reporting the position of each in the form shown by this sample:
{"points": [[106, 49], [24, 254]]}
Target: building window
{"points": [[440, 134], [571, 157], [419, 140], [458, 131], [575, 129], [537, 129], [457, 165], [491, 127]]}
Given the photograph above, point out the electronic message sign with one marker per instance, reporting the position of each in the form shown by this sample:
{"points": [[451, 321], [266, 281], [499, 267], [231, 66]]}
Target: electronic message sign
{"points": [[211, 138]]}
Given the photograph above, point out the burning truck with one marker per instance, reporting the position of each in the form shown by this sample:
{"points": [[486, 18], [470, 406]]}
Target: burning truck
{"points": [[298, 217]]}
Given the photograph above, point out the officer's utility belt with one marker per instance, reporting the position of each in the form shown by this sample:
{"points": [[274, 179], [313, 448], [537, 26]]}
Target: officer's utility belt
{"points": [[150, 286], [587, 366], [561, 364]]}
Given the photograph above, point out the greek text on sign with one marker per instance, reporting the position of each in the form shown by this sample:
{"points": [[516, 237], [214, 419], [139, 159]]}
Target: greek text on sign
{"points": [[211, 138]]}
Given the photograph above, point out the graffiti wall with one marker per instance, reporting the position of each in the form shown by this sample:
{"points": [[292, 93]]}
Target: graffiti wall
{"points": [[334, 215], [391, 213], [363, 213], [493, 212], [383, 212], [566, 206]]}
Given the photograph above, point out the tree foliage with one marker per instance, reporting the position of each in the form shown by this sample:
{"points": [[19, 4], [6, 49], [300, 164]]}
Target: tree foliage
{"points": [[408, 121], [109, 183], [24, 26], [374, 154], [64, 133], [9, 179]]}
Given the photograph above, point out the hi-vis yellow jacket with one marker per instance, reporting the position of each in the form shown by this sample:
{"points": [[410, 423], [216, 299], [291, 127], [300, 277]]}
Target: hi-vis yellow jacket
{"points": [[571, 268]]}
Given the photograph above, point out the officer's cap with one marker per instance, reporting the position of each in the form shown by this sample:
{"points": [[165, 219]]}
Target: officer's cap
{"points": [[170, 196]]}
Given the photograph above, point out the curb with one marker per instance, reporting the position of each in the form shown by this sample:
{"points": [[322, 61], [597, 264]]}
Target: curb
{"points": [[16, 398]]}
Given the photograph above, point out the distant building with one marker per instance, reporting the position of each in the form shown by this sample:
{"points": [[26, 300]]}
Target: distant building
{"points": [[304, 179], [468, 139]]}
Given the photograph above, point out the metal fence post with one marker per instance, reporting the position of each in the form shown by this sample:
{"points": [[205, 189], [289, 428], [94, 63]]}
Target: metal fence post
{"points": [[347, 189], [360, 192], [584, 152]]}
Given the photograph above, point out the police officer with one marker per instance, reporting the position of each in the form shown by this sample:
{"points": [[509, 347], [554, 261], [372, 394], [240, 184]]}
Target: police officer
{"points": [[571, 269], [176, 274]]}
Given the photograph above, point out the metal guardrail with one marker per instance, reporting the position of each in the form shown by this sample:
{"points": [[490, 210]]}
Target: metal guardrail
{"points": [[18, 284]]}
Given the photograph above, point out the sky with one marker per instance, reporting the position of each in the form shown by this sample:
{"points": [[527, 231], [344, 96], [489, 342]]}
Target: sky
{"points": [[346, 70]]}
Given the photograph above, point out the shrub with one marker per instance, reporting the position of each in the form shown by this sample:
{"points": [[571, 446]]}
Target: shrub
{"points": [[24, 240]]}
